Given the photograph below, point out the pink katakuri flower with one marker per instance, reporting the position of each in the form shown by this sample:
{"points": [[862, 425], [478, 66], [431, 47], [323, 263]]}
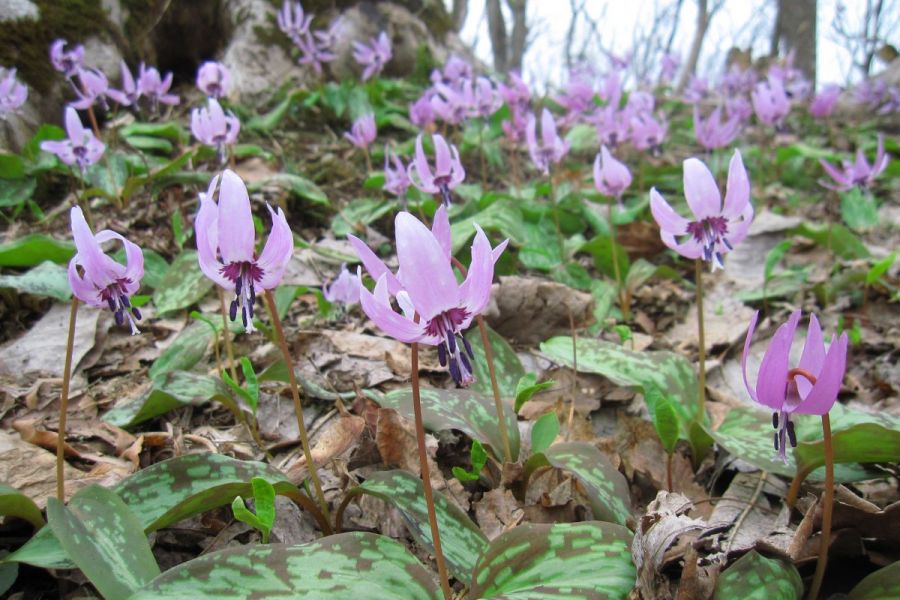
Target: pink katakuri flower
{"points": [[98, 280], [12, 94], [155, 88], [716, 227], [858, 174], [130, 93], [226, 245], [823, 103], [82, 148], [372, 56], [611, 177], [396, 179], [486, 100], [66, 62], [212, 127], [292, 21], [648, 133], [809, 389], [421, 114], [551, 148], [715, 133], [344, 289], [363, 131], [213, 79], [93, 88], [770, 102], [448, 170]]}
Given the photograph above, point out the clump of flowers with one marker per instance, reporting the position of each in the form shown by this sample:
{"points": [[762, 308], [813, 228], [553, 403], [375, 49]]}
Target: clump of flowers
{"points": [[551, 149], [770, 101]]}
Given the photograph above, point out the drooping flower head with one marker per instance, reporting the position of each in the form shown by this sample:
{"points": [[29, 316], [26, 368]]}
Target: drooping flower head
{"points": [[372, 56], [448, 170], [130, 93], [92, 88], [212, 127], [421, 114], [292, 21], [213, 79], [98, 280], [716, 227], [344, 289], [82, 148], [436, 309], [648, 133], [770, 102], [611, 177], [66, 62], [486, 99], [12, 94], [226, 245], [396, 179], [515, 93], [715, 133], [858, 174], [155, 88], [551, 149], [823, 103], [454, 104], [613, 125], [363, 131], [811, 388], [697, 89]]}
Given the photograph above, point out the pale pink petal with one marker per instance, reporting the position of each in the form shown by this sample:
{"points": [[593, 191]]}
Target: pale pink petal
{"points": [[771, 384], [746, 353], [475, 291], [374, 265], [442, 160], [100, 269], [237, 237], [440, 227], [74, 128], [206, 232], [813, 356], [737, 192], [83, 290], [392, 323], [700, 190], [825, 392], [277, 252], [667, 219], [425, 270]]}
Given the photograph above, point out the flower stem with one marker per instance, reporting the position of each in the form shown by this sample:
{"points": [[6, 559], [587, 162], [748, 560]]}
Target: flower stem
{"points": [[481, 127], [826, 510], [624, 304], [298, 406], [64, 404], [226, 335], [555, 213], [669, 472], [498, 403], [701, 343], [426, 476]]}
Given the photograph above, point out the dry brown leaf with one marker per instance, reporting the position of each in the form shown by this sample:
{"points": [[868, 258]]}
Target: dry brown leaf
{"points": [[530, 310], [32, 470], [339, 436], [396, 441], [497, 512], [39, 437]]}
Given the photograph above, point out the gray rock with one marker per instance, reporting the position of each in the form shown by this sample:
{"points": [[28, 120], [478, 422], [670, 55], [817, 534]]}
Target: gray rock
{"points": [[16, 10]]}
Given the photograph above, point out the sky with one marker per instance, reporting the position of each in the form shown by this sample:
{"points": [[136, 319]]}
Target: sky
{"points": [[740, 23]]}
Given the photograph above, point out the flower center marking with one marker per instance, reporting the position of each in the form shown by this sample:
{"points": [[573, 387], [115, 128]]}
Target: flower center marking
{"points": [[709, 232], [114, 295], [244, 275], [446, 326]]}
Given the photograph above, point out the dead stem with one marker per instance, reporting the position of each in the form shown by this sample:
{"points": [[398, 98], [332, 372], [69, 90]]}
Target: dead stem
{"points": [[64, 404]]}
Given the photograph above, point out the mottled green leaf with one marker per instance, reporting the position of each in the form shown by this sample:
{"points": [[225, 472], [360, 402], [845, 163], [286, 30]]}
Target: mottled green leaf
{"points": [[663, 415], [883, 584], [472, 413], [15, 192], [604, 486], [478, 458], [755, 577], [186, 351], [544, 431], [859, 210], [562, 561], [182, 285], [46, 279], [461, 540], [297, 185], [34, 249], [503, 216], [14, 503], [507, 366], [347, 566], [170, 391], [105, 540], [861, 443]]}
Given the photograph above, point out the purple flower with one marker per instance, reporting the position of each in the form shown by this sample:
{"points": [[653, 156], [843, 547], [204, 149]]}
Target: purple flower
{"points": [[872, 92], [448, 170], [213, 79], [453, 105], [129, 94], [613, 125], [578, 97], [316, 47], [716, 227], [436, 309], [738, 81], [212, 127], [860, 173], [611, 177], [363, 131], [67, 63], [697, 89], [713, 133], [516, 94], [738, 107], [670, 64], [226, 245], [641, 102], [809, 389], [396, 179], [647, 133], [12, 94], [486, 99], [155, 88], [421, 114], [770, 102], [455, 71], [551, 148], [515, 127], [344, 289], [94, 88], [824, 102], [292, 21], [373, 56], [82, 148], [98, 280]]}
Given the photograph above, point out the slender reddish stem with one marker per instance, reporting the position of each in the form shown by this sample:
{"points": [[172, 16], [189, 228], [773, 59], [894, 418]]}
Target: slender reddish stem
{"points": [[826, 510], [426, 475], [226, 335], [64, 404], [701, 344], [669, 472], [624, 303]]}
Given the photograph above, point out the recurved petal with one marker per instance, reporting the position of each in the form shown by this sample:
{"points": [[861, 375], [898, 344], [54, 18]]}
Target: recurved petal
{"points": [[746, 353], [425, 270], [440, 227], [236, 234], [813, 357], [74, 128], [667, 219], [99, 269], [700, 190], [392, 323], [737, 192], [475, 291], [277, 252], [824, 393], [206, 232], [443, 162], [83, 289], [771, 385], [374, 265]]}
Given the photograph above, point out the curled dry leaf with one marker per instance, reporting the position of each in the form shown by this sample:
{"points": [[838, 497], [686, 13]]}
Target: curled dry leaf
{"points": [[531, 310], [498, 511], [32, 470], [336, 439]]}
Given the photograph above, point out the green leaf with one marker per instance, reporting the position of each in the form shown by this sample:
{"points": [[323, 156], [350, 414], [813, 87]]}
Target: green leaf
{"points": [[565, 560], [296, 184], [34, 249], [46, 279], [270, 120], [15, 192], [601, 247], [859, 210], [478, 458], [755, 577], [11, 166], [663, 414], [836, 238], [544, 432], [461, 540], [774, 257], [168, 130], [528, 387], [472, 413], [347, 566], [186, 351], [862, 443], [183, 284], [605, 487], [264, 503], [360, 212], [148, 143], [880, 585], [503, 216], [880, 268], [14, 503], [507, 366], [105, 540], [251, 381]]}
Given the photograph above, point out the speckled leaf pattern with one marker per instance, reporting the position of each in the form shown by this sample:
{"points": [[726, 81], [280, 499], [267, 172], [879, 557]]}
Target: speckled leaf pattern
{"points": [[507, 365], [606, 488], [883, 584], [668, 371], [755, 577], [347, 566], [461, 540], [163, 494], [589, 560], [866, 442], [14, 503], [182, 285], [466, 410], [105, 540], [186, 351]]}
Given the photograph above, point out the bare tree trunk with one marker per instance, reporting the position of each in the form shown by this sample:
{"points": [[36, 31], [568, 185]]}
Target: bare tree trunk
{"points": [[519, 38], [795, 30], [459, 13], [690, 66], [497, 32], [675, 21]]}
